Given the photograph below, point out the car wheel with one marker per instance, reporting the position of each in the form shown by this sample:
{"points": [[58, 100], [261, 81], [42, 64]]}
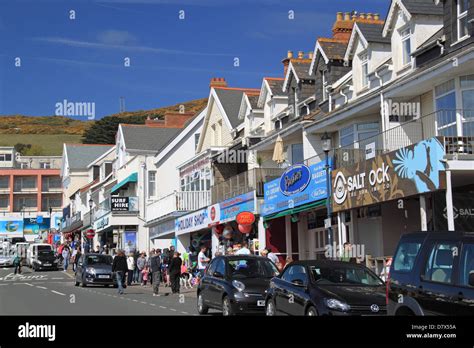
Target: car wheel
{"points": [[202, 308], [83, 283], [227, 310], [311, 312], [270, 310]]}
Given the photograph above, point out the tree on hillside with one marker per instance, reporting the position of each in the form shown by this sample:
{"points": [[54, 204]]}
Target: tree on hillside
{"points": [[103, 131], [22, 148]]}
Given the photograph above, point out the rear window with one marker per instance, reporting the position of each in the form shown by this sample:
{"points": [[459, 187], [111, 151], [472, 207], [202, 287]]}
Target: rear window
{"points": [[404, 260]]}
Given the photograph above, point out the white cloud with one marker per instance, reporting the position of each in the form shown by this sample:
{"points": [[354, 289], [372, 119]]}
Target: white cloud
{"points": [[116, 37]]}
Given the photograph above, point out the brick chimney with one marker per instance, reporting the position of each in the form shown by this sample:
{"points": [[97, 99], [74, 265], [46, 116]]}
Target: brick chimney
{"points": [[218, 82], [342, 28], [173, 119], [286, 61]]}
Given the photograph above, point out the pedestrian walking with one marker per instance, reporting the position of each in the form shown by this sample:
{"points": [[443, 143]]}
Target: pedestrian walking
{"points": [[119, 267], [175, 272], [155, 266], [131, 269], [66, 253], [145, 274], [76, 258], [141, 263], [203, 261], [17, 264], [136, 273]]}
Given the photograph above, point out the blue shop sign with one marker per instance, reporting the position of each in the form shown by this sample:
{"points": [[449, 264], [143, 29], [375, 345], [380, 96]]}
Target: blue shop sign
{"points": [[297, 186], [230, 208]]}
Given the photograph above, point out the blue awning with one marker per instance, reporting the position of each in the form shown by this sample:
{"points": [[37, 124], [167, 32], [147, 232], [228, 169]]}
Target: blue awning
{"points": [[131, 178]]}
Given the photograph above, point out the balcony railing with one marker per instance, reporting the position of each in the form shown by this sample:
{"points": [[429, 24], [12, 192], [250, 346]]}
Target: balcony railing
{"points": [[178, 202], [455, 126], [245, 182]]}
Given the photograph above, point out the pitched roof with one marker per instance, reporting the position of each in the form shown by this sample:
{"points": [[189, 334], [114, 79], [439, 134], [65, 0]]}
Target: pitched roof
{"points": [[426, 7], [253, 99], [301, 68], [231, 99], [372, 32], [80, 155], [138, 137], [333, 48], [276, 85]]}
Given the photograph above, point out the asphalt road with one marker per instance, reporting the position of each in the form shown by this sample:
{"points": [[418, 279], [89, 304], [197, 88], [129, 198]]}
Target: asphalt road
{"points": [[54, 293]]}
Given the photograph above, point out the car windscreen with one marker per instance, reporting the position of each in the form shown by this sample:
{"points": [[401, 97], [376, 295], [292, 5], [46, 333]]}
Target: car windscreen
{"points": [[346, 275], [252, 268], [46, 252], [99, 259], [44, 249]]}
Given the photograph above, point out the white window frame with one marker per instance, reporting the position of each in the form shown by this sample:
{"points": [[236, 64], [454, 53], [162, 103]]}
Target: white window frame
{"points": [[364, 68], [151, 184], [405, 35], [357, 133], [324, 83], [460, 16], [45, 165]]}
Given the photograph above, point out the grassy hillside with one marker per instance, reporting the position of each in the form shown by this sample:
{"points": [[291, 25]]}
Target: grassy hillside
{"points": [[48, 133]]}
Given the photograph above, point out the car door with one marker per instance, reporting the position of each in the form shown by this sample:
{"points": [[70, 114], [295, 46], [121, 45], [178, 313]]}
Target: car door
{"points": [[281, 295], [436, 287], [80, 269], [218, 281], [206, 281], [297, 290], [286, 294], [463, 300]]}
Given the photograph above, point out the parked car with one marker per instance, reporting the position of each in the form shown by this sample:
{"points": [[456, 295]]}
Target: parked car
{"points": [[326, 287], [15, 240], [432, 273], [95, 269], [34, 250], [45, 260], [6, 259], [235, 284]]}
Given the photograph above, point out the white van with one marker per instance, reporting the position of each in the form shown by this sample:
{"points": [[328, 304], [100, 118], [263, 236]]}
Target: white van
{"points": [[33, 251]]}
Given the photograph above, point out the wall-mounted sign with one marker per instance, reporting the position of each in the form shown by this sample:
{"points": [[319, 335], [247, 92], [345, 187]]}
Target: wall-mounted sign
{"points": [[192, 222], [275, 200], [370, 151], [245, 218], [102, 223], [123, 203], [36, 225], [230, 208], [409, 171], [463, 209], [11, 227], [214, 214], [295, 179]]}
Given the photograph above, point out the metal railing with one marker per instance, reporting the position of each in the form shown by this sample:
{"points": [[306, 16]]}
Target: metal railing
{"points": [[251, 180], [455, 126], [178, 202]]}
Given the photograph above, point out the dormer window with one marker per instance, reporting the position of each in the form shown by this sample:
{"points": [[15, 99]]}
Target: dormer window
{"points": [[406, 46], [462, 7], [364, 61], [324, 82]]}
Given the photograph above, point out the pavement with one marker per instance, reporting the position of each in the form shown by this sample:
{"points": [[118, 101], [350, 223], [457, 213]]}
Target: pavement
{"points": [[54, 293]]}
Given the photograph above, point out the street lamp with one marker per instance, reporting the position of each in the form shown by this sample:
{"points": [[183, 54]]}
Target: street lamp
{"points": [[326, 144], [91, 202]]}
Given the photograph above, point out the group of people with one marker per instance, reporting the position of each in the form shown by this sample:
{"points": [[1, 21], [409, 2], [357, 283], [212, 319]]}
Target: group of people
{"points": [[160, 266]]}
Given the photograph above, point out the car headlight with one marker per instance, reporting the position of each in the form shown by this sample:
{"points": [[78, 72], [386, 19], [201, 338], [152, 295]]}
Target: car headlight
{"points": [[39, 262], [238, 285], [90, 270], [337, 305]]}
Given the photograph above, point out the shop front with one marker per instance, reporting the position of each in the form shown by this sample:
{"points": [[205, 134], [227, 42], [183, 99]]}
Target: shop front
{"points": [[388, 195], [294, 210], [162, 233]]}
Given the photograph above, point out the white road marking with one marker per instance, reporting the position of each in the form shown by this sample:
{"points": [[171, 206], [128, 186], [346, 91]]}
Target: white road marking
{"points": [[143, 302], [172, 309], [184, 312], [152, 304], [135, 300], [57, 278], [28, 284], [41, 287], [163, 307], [3, 284], [59, 293]]}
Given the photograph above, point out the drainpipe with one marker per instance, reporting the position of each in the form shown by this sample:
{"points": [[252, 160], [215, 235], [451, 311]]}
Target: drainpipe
{"points": [[382, 108]]}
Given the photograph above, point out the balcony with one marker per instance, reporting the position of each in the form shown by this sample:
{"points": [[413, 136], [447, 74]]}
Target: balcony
{"points": [[178, 202], [456, 127], [245, 182]]}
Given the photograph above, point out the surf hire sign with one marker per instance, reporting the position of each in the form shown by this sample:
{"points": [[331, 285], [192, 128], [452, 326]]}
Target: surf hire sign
{"points": [[409, 171], [297, 186]]}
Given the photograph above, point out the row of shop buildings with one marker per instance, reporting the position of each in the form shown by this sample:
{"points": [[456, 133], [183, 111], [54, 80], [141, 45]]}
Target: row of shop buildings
{"points": [[367, 137]]}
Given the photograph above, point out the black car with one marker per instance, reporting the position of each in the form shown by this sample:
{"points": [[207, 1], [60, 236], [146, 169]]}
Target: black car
{"points": [[235, 284], [95, 269], [46, 260], [432, 273], [326, 287]]}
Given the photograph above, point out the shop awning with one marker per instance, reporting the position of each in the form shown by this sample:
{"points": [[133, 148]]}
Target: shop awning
{"points": [[295, 210], [131, 178]]}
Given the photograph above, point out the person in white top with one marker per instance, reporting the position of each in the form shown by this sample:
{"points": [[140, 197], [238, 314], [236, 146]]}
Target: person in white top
{"points": [[131, 268], [244, 250], [203, 260]]}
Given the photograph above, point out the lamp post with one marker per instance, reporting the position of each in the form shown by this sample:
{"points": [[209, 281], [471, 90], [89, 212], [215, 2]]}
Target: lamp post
{"points": [[91, 202], [326, 144]]}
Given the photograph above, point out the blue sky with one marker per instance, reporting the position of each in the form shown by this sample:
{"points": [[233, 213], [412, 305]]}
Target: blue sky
{"points": [[172, 60]]}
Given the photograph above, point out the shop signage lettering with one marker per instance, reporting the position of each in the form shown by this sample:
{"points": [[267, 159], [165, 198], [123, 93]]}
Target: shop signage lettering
{"points": [[297, 186], [192, 222], [409, 171], [230, 208], [245, 218], [102, 223], [295, 179], [124, 203]]}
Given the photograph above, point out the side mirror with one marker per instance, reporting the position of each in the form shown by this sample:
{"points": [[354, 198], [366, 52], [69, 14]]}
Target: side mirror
{"points": [[471, 278], [298, 282], [218, 274]]}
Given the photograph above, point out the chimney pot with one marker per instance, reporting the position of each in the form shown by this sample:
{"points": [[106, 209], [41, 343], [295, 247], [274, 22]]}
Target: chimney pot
{"points": [[376, 16], [362, 15], [347, 16], [339, 16], [369, 15], [310, 55], [300, 54], [218, 82]]}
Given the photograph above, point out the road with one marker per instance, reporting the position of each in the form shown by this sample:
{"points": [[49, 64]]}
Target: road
{"points": [[54, 293]]}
